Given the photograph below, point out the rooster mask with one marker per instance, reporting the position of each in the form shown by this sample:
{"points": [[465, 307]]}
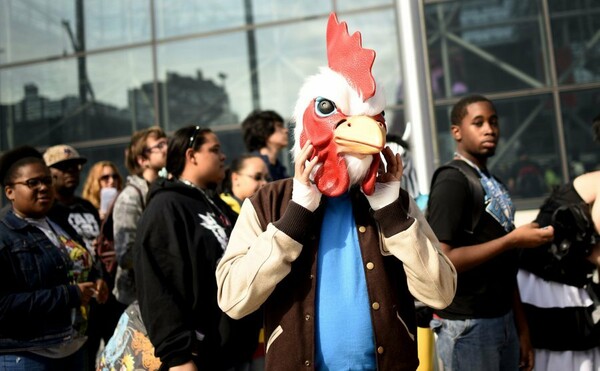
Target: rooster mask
{"points": [[340, 110]]}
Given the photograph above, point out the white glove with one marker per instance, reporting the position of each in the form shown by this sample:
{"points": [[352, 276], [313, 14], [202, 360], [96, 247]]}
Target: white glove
{"points": [[385, 194], [307, 196]]}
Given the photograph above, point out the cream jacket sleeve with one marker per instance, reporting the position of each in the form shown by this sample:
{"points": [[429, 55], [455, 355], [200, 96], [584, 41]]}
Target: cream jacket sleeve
{"points": [[407, 236], [256, 261]]}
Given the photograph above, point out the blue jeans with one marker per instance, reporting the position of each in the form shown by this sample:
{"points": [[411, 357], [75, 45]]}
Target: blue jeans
{"points": [[33, 362], [489, 344]]}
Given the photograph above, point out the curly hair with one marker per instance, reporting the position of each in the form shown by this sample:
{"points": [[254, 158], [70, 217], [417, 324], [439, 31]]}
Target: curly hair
{"points": [[257, 127], [91, 188], [11, 161], [459, 111]]}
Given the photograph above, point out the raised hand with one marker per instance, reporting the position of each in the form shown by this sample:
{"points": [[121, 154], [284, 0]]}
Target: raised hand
{"points": [[393, 170], [302, 169], [304, 192], [387, 186]]}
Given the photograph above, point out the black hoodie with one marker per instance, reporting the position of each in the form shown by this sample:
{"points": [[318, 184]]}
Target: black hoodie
{"points": [[181, 236]]}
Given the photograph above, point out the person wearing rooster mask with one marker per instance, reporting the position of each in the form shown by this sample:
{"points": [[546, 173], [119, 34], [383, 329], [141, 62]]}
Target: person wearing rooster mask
{"points": [[336, 255]]}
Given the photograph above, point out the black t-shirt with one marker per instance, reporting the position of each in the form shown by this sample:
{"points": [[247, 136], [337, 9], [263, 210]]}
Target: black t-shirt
{"points": [[81, 216], [484, 291]]}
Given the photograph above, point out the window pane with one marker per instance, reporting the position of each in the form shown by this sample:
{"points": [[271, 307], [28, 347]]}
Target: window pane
{"points": [[116, 22], [34, 29], [49, 103], [277, 10], [180, 17], [204, 81], [576, 37], [527, 158], [343, 5], [482, 46], [578, 111]]}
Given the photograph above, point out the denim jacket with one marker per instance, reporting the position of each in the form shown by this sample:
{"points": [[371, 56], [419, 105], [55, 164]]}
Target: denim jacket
{"points": [[36, 297]]}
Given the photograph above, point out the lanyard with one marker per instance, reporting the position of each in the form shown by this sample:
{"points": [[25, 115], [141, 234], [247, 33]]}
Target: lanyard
{"points": [[224, 219]]}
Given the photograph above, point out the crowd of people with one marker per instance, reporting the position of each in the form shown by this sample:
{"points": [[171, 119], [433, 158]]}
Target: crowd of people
{"points": [[207, 260]]}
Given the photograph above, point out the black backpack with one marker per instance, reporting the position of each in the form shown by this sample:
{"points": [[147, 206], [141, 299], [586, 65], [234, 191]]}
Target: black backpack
{"points": [[563, 260], [474, 186], [105, 243]]}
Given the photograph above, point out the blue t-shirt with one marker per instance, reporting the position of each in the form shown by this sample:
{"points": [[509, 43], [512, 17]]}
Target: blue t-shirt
{"points": [[344, 333]]}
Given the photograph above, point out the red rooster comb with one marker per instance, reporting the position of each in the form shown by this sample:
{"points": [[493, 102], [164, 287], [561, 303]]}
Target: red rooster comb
{"points": [[347, 57]]}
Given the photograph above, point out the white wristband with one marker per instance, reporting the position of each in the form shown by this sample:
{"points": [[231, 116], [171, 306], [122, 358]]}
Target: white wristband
{"points": [[385, 194], [307, 196]]}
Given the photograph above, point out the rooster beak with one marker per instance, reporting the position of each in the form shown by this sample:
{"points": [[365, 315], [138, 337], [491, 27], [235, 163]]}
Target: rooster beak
{"points": [[360, 136]]}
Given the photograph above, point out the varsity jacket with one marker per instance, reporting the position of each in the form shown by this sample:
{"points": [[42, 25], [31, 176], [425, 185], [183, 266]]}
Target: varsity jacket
{"points": [[270, 261]]}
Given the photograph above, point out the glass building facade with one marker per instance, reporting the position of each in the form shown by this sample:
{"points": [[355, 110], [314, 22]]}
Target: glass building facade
{"points": [[90, 72]]}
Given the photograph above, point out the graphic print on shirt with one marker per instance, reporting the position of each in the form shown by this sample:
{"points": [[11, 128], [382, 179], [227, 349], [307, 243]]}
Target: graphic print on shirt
{"points": [[86, 226], [498, 202], [210, 222]]}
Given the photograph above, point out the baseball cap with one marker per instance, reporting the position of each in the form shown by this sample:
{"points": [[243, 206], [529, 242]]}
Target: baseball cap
{"points": [[61, 153]]}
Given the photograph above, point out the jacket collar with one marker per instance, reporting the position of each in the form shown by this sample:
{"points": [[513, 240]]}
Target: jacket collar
{"points": [[12, 221]]}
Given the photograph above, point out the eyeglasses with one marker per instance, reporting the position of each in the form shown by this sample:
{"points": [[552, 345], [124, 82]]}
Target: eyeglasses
{"points": [[36, 183], [258, 177], [107, 176], [160, 145], [191, 143]]}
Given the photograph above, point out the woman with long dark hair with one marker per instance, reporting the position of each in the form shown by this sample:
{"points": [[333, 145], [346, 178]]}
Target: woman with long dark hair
{"points": [[181, 235]]}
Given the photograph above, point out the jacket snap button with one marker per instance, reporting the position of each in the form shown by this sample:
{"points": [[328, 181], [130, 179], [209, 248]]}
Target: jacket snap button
{"points": [[307, 363], [370, 265], [307, 317], [362, 229], [380, 350], [375, 305]]}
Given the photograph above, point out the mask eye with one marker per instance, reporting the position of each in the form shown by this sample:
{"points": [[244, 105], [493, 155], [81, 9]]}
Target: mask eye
{"points": [[324, 107]]}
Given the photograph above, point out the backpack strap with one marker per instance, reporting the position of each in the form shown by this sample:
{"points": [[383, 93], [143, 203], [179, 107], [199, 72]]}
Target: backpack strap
{"points": [[475, 188]]}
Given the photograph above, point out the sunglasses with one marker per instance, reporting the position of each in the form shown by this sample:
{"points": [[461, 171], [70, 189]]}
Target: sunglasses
{"points": [[258, 177], [36, 183], [108, 176]]}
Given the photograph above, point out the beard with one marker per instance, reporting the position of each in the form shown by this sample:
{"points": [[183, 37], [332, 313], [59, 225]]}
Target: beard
{"points": [[357, 168]]}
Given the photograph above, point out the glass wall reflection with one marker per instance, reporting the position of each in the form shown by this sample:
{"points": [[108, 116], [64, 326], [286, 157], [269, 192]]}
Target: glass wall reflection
{"points": [[114, 22], [36, 29], [478, 46], [204, 81], [576, 37], [578, 111]]}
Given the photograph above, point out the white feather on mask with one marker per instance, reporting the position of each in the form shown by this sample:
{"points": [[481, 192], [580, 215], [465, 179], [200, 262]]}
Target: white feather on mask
{"points": [[334, 86]]}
